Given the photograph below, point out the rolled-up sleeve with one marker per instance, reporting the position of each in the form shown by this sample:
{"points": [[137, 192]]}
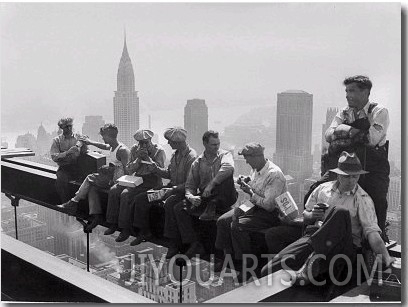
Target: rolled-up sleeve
{"points": [[367, 216], [337, 120], [55, 153], [275, 186], [192, 180], [379, 126], [226, 168], [313, 199], [61, 158]]}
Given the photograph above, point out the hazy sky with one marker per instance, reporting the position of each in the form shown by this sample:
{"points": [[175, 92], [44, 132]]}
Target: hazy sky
{"points": [[61, 59]]}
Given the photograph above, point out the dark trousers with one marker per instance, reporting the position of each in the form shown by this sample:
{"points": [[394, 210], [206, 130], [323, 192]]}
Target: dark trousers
{"points": [[332, 238], [120, 209], [142, 208], [254, 220], [170, 221], [278, 237], [65, 174], [184, 219], [377, 181]]}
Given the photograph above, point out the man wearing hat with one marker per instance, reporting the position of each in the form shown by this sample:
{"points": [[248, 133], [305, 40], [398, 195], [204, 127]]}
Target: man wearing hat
{"points": [[177, 172], [105, 177], [266, 183], [210, 192], [65, 150], [340, 229], [144, 158], [361, 127]]}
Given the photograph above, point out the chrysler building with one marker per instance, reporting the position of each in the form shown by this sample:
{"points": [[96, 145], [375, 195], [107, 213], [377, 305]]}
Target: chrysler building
{"points": [[126, 101]]}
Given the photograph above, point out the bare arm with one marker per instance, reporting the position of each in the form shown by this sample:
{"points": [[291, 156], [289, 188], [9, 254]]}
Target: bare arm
{"points": [[88, 141], [192, 183], [378, 247], [123, 155], [226, 170]]}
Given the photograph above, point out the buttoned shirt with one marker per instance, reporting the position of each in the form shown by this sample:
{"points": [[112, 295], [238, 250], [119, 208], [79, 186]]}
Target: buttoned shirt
{"points": [[378, 118], [204, 170], [356, 201], [267, 184], [179, 168], [60, 145]]}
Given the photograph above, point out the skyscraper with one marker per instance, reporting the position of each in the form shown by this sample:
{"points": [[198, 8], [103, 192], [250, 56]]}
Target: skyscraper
{"points": [[43, 141], [394, 194], [196, 122], [294, 134], [330, 114], [126, 100], [91, 127]]}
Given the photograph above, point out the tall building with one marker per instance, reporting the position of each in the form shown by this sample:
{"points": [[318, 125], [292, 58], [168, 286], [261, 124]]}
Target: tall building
{"points": [[30, 231], [43, 141], [126, 100], [294, 189], [330, 114], [196, 122], [91, 127], [294, 134], [394, 194], [27, 141]]}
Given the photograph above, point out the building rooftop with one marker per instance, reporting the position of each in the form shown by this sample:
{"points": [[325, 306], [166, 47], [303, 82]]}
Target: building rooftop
{"points": [[294, 92]]}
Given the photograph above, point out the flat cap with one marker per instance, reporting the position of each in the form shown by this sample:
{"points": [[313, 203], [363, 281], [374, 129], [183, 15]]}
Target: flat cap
{"points": [[252, 149], [175, 134], [143, 134]]}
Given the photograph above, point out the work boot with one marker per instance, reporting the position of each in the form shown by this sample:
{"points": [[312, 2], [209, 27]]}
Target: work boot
{"points": [[69, 207], [218, 265], [123, 236], [141, 238], [111, 230], [209, 212], [97, 219], [195, 248]]}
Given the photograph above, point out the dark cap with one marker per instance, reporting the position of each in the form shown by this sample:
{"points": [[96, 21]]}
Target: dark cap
{"points": [[175, 134], [143, 134], [252, 149], [348, 164]]}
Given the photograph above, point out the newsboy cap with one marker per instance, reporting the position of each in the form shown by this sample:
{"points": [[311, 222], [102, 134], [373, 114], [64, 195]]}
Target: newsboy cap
{"points": [[349, 164], [143, 134], [252, 149], [175, 134]]}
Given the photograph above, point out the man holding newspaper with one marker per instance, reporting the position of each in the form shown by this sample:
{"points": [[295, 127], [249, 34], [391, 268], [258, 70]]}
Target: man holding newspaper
{"points": [[145, 156], [168, 196]]}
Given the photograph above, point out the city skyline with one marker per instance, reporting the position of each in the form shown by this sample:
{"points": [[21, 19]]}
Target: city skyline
{"points": [[235, 56]]}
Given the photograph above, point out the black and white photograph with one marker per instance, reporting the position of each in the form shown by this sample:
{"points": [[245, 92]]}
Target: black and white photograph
{"points": [[202, 152]]}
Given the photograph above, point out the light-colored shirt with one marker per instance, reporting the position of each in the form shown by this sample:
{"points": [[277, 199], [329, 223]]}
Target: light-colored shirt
{"points": [[204, 170], [378, 118], [267, 184], [356, 201], [113, 159], [60, 146]]}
